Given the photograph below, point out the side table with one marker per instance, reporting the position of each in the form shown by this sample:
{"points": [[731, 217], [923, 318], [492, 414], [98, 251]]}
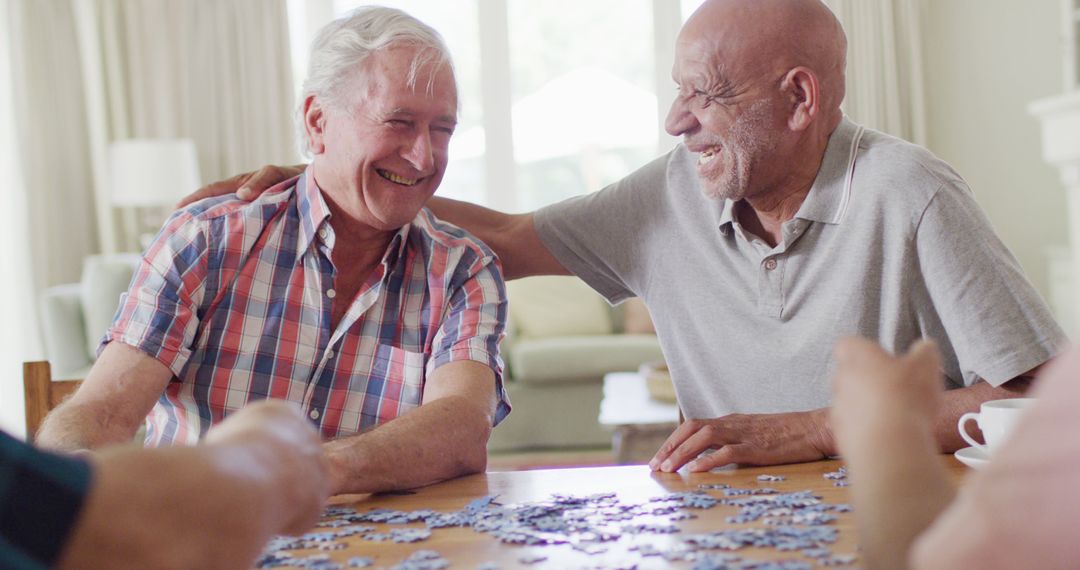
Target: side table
{"points": [[639, 424]]}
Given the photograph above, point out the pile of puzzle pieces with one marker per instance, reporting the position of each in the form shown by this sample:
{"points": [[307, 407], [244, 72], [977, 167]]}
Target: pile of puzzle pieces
{"points": [[793, 522]]}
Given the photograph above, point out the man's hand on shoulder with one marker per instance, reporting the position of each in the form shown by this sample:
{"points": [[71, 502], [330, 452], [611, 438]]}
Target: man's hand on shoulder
{"points": [[746, 439], [247, 186]]}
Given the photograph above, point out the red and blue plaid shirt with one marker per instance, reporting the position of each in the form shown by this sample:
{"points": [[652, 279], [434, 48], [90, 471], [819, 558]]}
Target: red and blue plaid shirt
{"points": [[235, 298]]}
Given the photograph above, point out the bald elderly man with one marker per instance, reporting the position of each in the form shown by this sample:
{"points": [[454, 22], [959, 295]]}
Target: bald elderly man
{"points": [[777, 227]]}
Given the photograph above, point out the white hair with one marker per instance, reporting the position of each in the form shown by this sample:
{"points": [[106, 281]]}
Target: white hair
{"points": [[342, 46]]}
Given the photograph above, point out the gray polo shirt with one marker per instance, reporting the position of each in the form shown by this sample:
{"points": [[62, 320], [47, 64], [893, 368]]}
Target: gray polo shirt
{"points": [[889, 245]]}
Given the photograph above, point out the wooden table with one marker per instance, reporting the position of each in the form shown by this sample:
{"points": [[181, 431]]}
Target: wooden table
{"points": [[466, 548]]}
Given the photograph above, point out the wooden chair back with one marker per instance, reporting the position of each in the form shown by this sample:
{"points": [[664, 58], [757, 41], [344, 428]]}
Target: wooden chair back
{"points": [[41, 394]]}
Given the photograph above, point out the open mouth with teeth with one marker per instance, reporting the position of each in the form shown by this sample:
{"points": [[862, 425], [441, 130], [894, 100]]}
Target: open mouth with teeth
{"points": [[386, 174], [706, 155]]}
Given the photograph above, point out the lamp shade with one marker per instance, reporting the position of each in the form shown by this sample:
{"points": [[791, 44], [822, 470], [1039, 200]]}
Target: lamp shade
{"points": [[152, 172]]}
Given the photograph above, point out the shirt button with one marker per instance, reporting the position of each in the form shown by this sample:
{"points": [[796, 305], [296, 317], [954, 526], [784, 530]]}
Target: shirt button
{"points": [[323, 232], [770, 264], [329, 355], [331, 293], [314, 414]]}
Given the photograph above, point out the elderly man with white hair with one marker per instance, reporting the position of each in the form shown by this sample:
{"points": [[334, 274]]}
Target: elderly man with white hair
{"points": [[336, 290]]}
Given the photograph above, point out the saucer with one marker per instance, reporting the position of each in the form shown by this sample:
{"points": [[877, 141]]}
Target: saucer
{"points": [[973, 457]]}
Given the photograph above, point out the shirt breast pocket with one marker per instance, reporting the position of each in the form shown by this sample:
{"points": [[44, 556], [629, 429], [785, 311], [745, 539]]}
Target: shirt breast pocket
{"points": [[402, 372]]}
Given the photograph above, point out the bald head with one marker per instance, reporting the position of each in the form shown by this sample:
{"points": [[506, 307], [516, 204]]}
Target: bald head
{"points": [[760, 86], [753, 37]]}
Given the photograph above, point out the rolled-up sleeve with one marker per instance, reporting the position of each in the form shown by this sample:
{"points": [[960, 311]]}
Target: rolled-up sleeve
{"points": [[157, 314], [474, 323]]}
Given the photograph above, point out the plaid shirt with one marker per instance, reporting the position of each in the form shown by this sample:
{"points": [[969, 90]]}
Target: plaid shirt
{"points": [[41, 495], [235, 298]]}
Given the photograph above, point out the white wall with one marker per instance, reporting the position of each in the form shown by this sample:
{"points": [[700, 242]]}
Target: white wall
{"points": [[985, 61]]}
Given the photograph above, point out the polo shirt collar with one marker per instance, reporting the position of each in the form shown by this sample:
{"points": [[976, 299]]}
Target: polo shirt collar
{"points": [[727, 216], [830, 192]]}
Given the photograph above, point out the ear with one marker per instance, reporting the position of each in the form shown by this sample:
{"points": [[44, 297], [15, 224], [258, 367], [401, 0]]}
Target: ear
{"points": [[802, 90], [314, 124]]}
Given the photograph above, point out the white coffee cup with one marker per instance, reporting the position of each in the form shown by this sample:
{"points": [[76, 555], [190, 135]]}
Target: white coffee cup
{"points": [[995, 419]]}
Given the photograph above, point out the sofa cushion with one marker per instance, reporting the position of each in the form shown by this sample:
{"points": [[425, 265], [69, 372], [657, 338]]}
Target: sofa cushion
{"points": [[555, 307], [583, 358]]}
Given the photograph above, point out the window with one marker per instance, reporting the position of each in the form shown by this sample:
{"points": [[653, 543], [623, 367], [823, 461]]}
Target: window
{"points": [[584, 107], [551, 105]]}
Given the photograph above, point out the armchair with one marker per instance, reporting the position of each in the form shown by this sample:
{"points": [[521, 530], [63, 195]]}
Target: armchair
{"points": [[75, 316]]}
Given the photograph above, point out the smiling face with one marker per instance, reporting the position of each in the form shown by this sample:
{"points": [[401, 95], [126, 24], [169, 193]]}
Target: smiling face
{"points": [[728, 117], [760, 85], [382, 153]]}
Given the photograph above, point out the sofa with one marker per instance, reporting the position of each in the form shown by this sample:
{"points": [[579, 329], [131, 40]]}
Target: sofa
{"points": [[562, 338]]}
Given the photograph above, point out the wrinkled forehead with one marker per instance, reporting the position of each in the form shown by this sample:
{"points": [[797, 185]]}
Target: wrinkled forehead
{"points": [[699, 58], [723, 50]]}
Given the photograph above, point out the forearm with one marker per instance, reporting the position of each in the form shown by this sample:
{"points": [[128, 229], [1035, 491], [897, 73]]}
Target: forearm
{"points": [[511, 236], [821, 434], [170, 508], [73, 427], [440, 440], [110, 404], [482, 222], [899, 485]]}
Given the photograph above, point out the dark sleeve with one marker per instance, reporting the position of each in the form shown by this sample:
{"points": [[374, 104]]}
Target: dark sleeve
{"points": [[41, 495]]}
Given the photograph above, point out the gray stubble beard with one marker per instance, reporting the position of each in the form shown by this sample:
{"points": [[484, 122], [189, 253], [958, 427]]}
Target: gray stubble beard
{"points": [[747, 140]]}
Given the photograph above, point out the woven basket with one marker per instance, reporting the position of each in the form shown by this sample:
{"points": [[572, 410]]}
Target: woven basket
{"points": [[658, 381]]}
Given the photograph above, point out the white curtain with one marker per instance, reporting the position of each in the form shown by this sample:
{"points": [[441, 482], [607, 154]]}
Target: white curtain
{"points": [[216, 71], [44, 226], [77, 74], [885, 69], [51, 139]]}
